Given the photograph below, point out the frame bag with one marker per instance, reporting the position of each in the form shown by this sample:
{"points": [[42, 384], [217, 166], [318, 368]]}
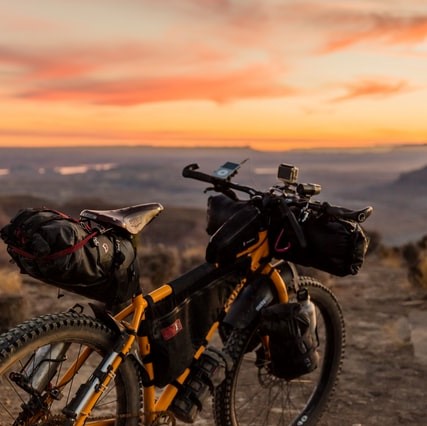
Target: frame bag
{"points": [[177, 326]]}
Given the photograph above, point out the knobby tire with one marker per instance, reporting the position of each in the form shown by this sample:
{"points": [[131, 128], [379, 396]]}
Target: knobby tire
{"points": [[17, 348], [251, 396]]}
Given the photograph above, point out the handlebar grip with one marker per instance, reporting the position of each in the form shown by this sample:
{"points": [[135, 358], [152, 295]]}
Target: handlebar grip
{"points": [[190, 172]]}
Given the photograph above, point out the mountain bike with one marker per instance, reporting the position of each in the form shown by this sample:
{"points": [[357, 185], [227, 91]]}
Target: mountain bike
{"points": [[155, 360]]}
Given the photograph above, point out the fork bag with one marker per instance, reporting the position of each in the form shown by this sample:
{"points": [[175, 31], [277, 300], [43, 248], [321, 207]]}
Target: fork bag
{"points": [[291, 346]]}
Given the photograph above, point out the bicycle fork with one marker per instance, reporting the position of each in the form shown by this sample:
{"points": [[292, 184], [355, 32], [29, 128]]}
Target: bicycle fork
{"points": [[88, 394], [80, 407]]}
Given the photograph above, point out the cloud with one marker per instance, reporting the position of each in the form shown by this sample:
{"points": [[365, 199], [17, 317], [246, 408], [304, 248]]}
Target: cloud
{"points": [[255, 81], [382, 28], [137, 73], [378, 88], [68, 61]]}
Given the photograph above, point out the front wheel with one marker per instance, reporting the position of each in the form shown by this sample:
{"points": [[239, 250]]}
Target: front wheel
{"points": [[251, 395], [34, 358]]}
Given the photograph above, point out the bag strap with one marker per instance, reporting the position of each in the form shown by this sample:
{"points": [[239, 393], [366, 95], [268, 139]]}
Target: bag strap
{"points": [[57, 254], [276, 245]]}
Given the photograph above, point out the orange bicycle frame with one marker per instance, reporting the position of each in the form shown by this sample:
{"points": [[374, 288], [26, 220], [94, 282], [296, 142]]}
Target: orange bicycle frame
{"points": [[155, 404]]}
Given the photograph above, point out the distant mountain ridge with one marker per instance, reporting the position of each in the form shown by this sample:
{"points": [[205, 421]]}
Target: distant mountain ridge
{"points": [[392, 180], [416, 179]]}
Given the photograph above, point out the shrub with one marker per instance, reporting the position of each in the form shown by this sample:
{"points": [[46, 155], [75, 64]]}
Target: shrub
{"points": [[158, 264], [415, 256], [375, 241]]}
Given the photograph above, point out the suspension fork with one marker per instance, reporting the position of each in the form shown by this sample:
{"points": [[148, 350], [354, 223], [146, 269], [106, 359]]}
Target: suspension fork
{"points": [[88, 394]]}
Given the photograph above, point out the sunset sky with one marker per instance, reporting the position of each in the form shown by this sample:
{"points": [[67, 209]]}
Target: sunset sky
{"points": [[270, 74]]}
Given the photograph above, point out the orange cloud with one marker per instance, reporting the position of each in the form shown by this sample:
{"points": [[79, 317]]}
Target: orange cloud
{"points": [[44, 66], [387, 29], [372, 88], [71, 61], [250, 82]]}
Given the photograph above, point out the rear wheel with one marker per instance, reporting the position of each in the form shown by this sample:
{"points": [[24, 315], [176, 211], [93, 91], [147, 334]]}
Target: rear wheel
{"points": [[36, 354], [251, 395]]}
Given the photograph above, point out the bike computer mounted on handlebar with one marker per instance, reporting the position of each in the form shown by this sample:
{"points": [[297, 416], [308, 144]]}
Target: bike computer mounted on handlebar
{"points": [[228, 170]]}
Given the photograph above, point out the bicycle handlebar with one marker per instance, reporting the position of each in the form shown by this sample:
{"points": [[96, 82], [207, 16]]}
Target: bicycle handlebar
{"points": [[220, 185], [225, 186], [190, 172]]}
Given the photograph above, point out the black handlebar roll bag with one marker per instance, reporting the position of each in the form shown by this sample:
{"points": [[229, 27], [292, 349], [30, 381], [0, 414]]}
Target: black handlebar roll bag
{"points": [[337, 246], [59, 250]]}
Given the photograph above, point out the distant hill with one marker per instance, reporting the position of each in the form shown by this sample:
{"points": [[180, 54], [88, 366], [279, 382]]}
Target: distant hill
{"points": [[414, 181], [389, 179], [409, 186], [400, 206]]}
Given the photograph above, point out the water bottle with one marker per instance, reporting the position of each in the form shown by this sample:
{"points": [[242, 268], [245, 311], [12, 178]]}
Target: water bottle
{"points": [[308, 308], [44, 364]]}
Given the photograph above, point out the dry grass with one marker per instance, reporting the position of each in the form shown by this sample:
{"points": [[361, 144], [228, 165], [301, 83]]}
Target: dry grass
{"points": [[10, 282]]}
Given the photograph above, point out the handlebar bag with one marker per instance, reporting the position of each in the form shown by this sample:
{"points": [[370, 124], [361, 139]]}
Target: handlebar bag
{"points": [[59, 250], [336, 246], [292, 349]]}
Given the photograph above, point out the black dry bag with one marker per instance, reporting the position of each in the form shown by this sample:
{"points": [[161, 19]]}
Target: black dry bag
{"points": [[59, 250], [292, 347]]}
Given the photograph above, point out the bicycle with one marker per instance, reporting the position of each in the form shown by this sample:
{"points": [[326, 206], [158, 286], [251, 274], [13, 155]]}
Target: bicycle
{"points": [[71, 368]]}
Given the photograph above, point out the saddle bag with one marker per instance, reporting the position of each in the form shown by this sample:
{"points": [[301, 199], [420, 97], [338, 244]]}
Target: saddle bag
{"points": [[292, 348], [336, 246], [59, 250]]}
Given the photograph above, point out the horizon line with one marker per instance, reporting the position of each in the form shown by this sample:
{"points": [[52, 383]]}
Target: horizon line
{"points": [[236, 147]]}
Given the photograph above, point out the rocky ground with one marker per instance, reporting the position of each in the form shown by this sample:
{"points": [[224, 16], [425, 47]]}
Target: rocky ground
{"points": [[383, 381]]}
